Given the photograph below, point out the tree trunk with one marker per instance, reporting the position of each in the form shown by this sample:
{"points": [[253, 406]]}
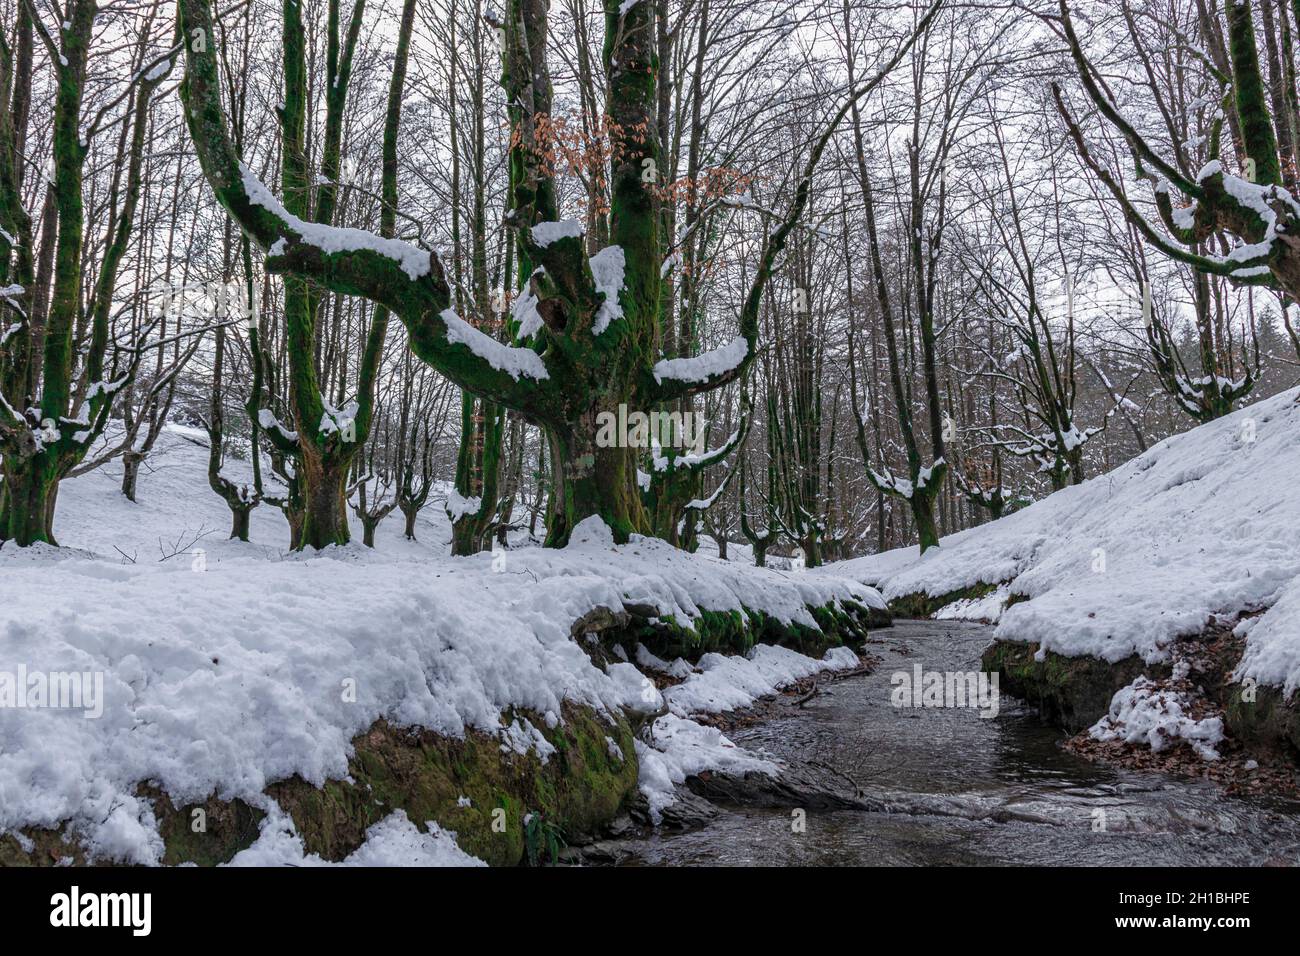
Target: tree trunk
{"points": [[239, 523], [812, 550], [30, 502], [325, 511], [130, 473], [1075, 459], [591, 480], [410, 515], [923, 514], [368, 526]]}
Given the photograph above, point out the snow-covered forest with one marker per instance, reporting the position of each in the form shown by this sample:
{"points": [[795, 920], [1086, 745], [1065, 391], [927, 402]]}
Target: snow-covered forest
{"points": [[578, 376]]}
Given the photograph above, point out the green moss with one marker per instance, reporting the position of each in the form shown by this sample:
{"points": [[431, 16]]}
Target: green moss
{"points": [[1269, 722], [569, 798], [735, 632], [207, 833], [577, 791], [1071, 692]]}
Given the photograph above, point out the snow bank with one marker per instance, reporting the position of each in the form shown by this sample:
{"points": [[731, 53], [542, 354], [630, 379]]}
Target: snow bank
{"points": [[1202, 525], [228, 666], [988, 608], [733, 683]]}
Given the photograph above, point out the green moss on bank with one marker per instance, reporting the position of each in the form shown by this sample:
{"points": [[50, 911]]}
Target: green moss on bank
{"points": [[577, 791], [1070, 692], [1268, 723], [919, 604], [842, 624], [569, 798]]}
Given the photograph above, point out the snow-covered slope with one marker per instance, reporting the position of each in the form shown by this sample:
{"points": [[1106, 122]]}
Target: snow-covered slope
{"points": [[1205, 524], [228, 666]]}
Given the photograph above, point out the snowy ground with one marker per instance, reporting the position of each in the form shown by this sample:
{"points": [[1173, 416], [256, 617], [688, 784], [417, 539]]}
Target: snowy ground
{"points": [[1204, 525], [228, 666]]}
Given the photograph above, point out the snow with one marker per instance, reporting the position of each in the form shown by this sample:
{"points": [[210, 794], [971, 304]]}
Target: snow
{"points": [[682, 748], [338, 419], [987, 608], [231, 665], [333, 239], [1143, 712], [524, 311], [545, 233], [728, 683], [393, 841], [704, 366], [158, 70], [267, 421], [1200, 526], [458, 505], [607, 268], [678, 669], [504, 358]]}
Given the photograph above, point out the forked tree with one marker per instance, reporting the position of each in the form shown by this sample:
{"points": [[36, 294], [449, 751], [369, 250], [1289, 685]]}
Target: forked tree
{"points": [[592, 330]]}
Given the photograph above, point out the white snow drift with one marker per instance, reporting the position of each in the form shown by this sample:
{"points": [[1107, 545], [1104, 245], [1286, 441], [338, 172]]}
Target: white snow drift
{"points": [[1203, 525], [227, 666]]}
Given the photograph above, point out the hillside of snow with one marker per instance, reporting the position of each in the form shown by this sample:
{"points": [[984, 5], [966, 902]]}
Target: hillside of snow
{"points": [[226, 665], [1204, 525]]}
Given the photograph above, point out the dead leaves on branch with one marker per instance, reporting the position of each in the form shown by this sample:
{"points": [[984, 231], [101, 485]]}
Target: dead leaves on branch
{"points": [[587, 147]]}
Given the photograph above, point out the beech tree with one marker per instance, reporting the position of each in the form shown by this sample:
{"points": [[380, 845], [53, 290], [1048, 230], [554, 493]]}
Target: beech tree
{"points": [[590, 322]]}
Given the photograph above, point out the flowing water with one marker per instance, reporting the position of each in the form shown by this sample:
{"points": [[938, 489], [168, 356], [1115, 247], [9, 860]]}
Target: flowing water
{"points": [[953, 788]]}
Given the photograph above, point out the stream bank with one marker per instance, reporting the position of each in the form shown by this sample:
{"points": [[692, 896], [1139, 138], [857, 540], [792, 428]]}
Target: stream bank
{"points": [[869, 783]]}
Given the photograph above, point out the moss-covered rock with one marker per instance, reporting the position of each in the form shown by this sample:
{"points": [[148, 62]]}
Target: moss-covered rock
{"points": [[844, 623], [503, 806], [1070, 692], [577, 791], [1268, 722], [207, 833]]}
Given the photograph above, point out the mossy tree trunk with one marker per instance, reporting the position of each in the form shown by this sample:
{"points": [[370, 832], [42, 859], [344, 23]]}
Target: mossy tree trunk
{"points": [[570, 367], [72, 391]]}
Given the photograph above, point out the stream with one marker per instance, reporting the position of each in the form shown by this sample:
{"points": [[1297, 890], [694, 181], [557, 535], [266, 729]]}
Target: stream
{"points": [[943, 786]]}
